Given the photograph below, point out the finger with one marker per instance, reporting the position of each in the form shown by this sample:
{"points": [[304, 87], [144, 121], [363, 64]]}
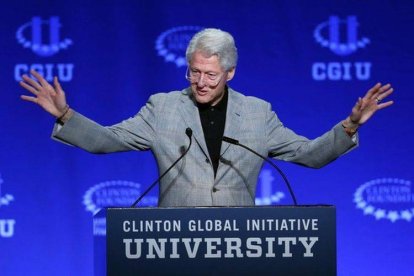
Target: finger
{"points": [[58, 87], [32, 82], [381, 90], [373, 90], [385, 87], [386, 104], [28, 87], [364, 104], [358, 104], [29, 98], [39, 77], [385, 94]]}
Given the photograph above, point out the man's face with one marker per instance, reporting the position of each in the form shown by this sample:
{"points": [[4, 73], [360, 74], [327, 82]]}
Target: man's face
{"points": [[204, 69]]}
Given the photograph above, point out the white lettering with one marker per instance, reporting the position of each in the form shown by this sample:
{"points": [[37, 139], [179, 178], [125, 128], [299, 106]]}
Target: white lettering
{"points": [[212, 225], [7, 228], [254, 249], [234, 247], [211, 246], [217, 225], [233, 244], [363, 70], [334, 71], [286, 241], [284, 225], [126, 226], [319, 71], [346, 71], [270, 252], [281, 225], [308, 246], [64, 71], [151, 226], [158, 245], [174, 254], [337, 71], [191, 252], [315, 225], [128, 253]]}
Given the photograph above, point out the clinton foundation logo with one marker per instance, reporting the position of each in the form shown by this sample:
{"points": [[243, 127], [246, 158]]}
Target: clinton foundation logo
{"points": [[43, 37], [6, 224], [117, 193], [172, 44], [386, 198], [341, 37]]}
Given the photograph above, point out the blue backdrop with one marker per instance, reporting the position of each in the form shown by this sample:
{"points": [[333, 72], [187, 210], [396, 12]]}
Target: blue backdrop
{"points": [[310, 59]]}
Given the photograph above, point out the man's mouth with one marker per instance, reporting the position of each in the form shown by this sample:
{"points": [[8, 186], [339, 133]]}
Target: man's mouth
{"points": [[202, 92]]}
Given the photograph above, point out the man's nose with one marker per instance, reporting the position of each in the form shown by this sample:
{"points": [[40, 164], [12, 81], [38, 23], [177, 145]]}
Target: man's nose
{"points": [[201, 80]]}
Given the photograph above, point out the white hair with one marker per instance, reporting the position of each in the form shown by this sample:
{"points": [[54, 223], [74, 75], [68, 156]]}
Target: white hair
{"points": [[214, 42]]}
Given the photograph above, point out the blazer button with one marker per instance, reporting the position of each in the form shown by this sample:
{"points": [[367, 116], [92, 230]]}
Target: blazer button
{"points": [[215, 190], [207, 161]]}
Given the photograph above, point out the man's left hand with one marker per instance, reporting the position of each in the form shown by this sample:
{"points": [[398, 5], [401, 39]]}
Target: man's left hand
{"points": [[366, 107]]}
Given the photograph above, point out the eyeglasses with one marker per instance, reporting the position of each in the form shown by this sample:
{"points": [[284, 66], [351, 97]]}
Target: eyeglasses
{"points": [[210, 78]]}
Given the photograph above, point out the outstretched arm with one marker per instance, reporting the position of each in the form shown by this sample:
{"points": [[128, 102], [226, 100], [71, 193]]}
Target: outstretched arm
{"points": [[135, 133], [50, 98]]}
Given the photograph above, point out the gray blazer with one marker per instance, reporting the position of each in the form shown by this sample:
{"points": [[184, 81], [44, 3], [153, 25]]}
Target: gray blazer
{"points": [[160, 126]]}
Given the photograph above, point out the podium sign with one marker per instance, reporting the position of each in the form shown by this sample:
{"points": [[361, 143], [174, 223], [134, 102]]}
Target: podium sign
{"points": [[283, 240]]}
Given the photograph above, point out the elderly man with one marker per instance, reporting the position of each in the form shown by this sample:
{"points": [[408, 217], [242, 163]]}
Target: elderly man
{"points": [[213, 173]]}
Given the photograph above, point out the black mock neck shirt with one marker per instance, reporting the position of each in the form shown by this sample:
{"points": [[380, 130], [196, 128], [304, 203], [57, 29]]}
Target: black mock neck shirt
{"points": [[213, 120]]}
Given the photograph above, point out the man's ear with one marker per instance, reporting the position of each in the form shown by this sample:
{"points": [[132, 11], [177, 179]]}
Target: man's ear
{"points": [[230, 73]]}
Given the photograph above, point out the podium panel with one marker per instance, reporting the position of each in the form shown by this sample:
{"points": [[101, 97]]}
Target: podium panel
{"points": [[282, 240]]}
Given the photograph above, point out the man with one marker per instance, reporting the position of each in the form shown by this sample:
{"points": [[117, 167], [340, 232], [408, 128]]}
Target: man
{"points": [[213, 173]]}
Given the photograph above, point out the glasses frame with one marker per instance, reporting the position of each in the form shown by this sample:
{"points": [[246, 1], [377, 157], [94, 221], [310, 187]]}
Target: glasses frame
{"points": [[210, 82]]}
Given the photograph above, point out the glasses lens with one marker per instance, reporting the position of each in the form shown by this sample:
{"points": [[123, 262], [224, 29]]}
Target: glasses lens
{"points": [[210, 78]]}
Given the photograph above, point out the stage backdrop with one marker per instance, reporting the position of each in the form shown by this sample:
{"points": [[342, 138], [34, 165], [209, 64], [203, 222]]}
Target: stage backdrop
{"points": [[310, 59]]}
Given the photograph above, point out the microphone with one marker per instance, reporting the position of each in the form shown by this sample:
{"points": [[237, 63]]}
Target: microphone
{"points": [[189, 133], [236, 142]]}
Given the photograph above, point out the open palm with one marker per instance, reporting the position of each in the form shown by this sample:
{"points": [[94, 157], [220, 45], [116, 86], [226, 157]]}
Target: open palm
{"points": [[51, 98]]}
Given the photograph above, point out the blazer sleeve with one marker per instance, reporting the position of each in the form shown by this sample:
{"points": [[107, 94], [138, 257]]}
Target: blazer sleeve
{"points": [[135, 133], [285, 144]]}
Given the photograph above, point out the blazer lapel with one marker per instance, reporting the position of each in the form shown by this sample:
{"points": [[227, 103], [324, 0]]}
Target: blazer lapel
{"points": [[233, 119]]}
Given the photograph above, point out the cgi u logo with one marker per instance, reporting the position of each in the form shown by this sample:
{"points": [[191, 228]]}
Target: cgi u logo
{"points": [[333, 42], [330, 34], [267, 195], [37, 41], [7, 228]]}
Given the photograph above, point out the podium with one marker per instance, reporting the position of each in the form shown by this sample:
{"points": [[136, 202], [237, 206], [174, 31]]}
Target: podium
{"points": [[273, 240]]}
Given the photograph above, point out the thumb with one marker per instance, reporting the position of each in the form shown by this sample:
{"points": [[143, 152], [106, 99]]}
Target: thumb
{"points": [[359, 104]]}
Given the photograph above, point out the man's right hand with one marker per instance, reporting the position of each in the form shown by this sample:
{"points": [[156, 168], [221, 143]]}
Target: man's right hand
{"points": [[52, 99]]}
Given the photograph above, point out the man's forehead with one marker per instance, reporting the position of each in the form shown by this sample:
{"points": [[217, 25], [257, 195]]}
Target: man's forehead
{"points": [[200, 59]]}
